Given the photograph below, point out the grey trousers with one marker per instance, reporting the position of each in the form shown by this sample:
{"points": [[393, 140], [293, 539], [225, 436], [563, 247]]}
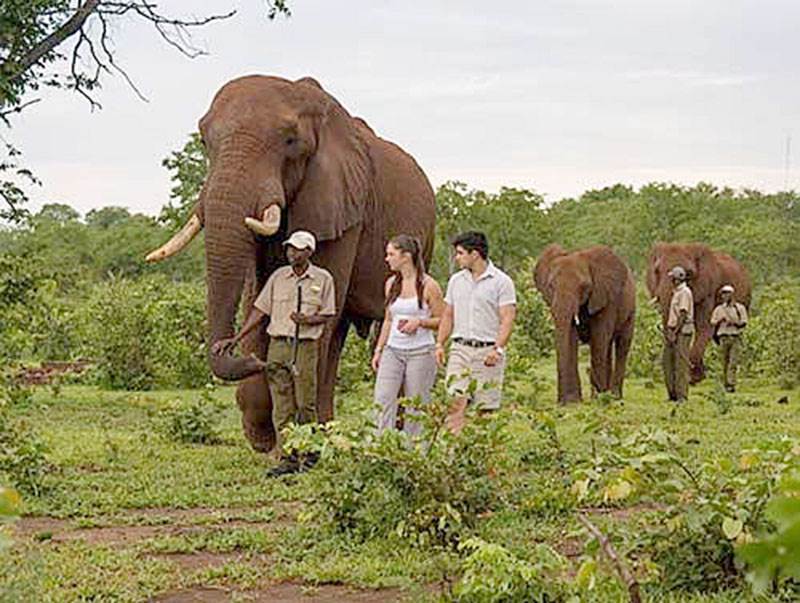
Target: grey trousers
{"points": [[414, 371]]}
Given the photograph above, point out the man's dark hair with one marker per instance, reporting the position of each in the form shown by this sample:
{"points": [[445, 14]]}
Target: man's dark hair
{"points": [[472, 240]]}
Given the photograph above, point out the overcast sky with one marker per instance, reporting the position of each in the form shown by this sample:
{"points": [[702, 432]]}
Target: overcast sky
{"points": [[558, 96]]}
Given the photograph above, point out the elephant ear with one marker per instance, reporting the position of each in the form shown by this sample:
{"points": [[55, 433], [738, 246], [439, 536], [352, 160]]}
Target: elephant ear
{"points": [[653, 266], [338, 176], [603, 268], [541, 272], [705, 276]]}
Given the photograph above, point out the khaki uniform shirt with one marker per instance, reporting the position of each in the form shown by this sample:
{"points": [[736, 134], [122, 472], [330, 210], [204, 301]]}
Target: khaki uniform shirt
{"points": [[278, 299], [682, 299], [476, 303], [730, 316]]}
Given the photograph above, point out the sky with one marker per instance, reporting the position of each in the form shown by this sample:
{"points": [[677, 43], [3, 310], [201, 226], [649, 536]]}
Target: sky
{"points": [[558, 96]]}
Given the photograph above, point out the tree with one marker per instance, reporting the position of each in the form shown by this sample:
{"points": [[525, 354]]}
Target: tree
{"points": [[67, 44]]}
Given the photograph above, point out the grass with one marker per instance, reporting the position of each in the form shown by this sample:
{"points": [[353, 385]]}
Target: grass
{"points": [[113, 469]]}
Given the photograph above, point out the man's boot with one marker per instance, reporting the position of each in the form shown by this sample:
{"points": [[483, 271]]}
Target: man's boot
{"points": [[309, 460], [287, 466]]}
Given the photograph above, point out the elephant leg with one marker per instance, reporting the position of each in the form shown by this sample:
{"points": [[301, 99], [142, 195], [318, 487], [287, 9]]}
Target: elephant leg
{"points": [[599, 346], [255, 402], [698, 367], [328, 367], [622, 345]]}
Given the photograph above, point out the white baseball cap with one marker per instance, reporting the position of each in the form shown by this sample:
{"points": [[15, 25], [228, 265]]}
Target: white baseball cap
{"points": [[301, 239], [726, 289]]}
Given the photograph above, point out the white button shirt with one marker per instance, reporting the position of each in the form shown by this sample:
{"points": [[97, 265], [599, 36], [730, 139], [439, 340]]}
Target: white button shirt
{"points": [[476, 303]]}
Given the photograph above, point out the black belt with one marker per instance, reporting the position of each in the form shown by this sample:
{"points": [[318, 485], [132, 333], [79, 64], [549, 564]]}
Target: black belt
{"points": [[473, 343]]}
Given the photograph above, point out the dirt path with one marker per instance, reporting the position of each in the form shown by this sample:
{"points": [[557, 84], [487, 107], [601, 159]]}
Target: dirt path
{"points": [[285, 592]]}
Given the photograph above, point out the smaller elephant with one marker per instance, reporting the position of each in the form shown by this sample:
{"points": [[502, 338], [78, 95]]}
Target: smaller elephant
{"points": [[707, 270], [592, 298]]}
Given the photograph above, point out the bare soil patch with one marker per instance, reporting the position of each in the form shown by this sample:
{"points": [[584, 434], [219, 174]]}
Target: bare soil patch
{"points": [[284, 592], [47, 371]]}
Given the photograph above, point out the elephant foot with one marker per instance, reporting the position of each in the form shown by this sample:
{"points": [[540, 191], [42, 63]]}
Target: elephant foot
{"points": [[261, 437], [570, 400], [697, 374]]}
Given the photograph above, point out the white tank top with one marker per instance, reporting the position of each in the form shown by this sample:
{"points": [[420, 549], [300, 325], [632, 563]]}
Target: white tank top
{"points": [[405, 308]]}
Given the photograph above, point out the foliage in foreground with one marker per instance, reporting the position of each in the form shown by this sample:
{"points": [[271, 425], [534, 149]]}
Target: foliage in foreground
{"points": [[427, 492]]}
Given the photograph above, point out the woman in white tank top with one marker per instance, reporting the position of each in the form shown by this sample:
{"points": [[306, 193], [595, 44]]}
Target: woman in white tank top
{"points": [[404, 355]]}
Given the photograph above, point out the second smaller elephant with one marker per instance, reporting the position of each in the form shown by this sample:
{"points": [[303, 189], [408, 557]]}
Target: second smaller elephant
{"points": [[592, 298]]}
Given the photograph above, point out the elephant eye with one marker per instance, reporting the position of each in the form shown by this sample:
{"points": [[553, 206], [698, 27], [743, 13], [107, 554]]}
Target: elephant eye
{"points": [[290, 141]]}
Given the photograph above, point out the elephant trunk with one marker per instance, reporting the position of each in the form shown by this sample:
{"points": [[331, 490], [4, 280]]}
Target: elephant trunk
{"points": [[567, 321], [231, 251]]}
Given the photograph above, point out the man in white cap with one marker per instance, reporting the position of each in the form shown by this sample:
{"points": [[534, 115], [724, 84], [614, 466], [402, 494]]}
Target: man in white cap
{"points": [[678, 337], [299, 299], [728, 320]]}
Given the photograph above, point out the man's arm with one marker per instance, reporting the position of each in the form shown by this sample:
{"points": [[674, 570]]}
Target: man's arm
{"points": [[508, 314], [226, 346], [443, 334]]}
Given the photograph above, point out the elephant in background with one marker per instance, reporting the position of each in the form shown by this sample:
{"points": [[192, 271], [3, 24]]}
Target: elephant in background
{"points": [[592, 298], [707, 271], [285, 155]]}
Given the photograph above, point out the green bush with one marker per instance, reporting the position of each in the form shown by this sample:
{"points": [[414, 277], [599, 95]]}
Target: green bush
{"points": [[22, 453], [195, 422], [147, 333], [771, 344], [492, 574], [354, 365], [533, 328], [427, 492], [644, 359]]}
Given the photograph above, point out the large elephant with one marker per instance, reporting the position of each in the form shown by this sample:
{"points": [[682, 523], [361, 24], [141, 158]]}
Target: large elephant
{"points": [[592, 297], [707, 271], [285, 155]]}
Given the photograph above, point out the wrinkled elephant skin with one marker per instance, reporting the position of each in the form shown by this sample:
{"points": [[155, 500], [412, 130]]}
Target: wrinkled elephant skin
{"points": [[592, 298], [286, 155], [708, 270]]}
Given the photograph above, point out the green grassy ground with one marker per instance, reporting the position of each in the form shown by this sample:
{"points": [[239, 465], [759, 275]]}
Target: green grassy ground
{"points": [[128, 514]]}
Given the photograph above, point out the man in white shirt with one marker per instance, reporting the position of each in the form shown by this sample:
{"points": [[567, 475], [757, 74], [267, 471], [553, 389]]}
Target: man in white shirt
{"points": [[480, 311]]}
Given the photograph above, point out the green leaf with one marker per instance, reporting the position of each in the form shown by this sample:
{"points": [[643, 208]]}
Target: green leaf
{"points": [[732, 528]]}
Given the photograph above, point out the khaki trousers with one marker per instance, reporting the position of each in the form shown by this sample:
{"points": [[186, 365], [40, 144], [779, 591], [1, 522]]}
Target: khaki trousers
{"points": [[729, 346], [294, 397], [675, 361]]}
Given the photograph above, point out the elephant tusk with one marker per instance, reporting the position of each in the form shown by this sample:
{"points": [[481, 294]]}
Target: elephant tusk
{"points": [[653, 300], [180, 240], [576, 320], [269, 223]]}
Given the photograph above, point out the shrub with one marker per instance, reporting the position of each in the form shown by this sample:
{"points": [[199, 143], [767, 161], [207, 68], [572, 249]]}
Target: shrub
{"points": [[22, 453], [147, 333], [195, 422], [492, 574], [533, 330], [354, 365], [430, 489], [772, 340], [644, 359]]}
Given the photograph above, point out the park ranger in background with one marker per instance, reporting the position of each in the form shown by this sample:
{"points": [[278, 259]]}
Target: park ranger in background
{"points": [[678, 333], [729, 319]]}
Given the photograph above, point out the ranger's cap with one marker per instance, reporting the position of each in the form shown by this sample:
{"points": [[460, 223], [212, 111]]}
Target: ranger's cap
{"points": [[678, 272], [302, 239], [726, 289]]}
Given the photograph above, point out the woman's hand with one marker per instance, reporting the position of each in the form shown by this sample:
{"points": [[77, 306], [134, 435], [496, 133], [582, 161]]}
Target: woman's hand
{"points": [[409, 326], [376, 359]]}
